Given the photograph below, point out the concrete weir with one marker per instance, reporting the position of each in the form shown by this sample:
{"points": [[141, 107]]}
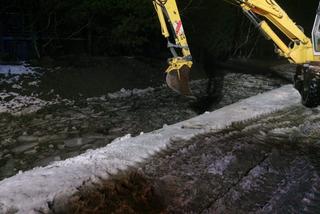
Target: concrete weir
{"points": [[35, 190]]}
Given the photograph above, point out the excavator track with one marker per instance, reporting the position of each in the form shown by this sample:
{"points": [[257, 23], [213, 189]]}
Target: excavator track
{"points": [[307, 82]]}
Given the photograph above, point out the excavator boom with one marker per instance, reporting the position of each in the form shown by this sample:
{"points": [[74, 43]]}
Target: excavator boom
{"points": [[300, 49]]}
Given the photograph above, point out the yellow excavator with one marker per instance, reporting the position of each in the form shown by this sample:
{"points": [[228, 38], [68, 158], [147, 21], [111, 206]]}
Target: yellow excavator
{"points": [[301, 50]]}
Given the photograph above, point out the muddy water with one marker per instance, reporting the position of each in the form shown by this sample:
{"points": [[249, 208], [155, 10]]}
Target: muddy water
{"points": [[72, 78], [76, 77]]}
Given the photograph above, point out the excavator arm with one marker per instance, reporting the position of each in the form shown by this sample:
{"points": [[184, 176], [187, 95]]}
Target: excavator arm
{"points": [[300, 49], [181, 62]]}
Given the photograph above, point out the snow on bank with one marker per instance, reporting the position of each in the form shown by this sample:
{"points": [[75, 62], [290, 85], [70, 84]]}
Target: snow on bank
{"points": [[15, 69], [16, 104], [35, 190], [123, 93]]}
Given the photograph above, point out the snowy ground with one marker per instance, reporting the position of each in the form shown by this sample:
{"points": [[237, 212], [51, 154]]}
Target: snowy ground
{"points": [[41, 122], [13, 99], [266, 165], [17, 104], [16, 69], [33, 191]]}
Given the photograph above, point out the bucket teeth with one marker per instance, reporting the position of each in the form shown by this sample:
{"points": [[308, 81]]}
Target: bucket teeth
{"points": [[178, 81]]}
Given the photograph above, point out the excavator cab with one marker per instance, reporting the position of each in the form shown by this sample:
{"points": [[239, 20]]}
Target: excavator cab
{"points": [[316, 34]]}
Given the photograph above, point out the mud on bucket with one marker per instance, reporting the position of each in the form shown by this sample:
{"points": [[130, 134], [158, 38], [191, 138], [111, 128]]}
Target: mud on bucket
{"points": [[178, 80]]}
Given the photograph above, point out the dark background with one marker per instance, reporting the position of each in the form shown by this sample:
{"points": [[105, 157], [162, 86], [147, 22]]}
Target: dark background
{"points": [[39, 28]]}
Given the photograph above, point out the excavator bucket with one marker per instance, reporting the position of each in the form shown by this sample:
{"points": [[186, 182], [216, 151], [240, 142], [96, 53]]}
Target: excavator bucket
{"points": [[178, 80]]}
